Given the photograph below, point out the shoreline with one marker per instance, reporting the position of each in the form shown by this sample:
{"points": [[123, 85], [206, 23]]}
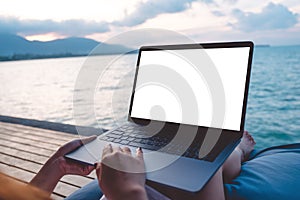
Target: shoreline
{"points": [[38, 57]]}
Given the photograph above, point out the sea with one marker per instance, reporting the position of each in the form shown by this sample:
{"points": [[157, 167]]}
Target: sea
{"points": [[51, 90]]}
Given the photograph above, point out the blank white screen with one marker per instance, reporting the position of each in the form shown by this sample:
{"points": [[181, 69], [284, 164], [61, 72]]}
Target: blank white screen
{"points": [[155, 100]]}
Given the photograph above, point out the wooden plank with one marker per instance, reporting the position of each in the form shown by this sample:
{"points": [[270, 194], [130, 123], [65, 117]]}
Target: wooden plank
{"points": [[64, 189], [93, 174], [40, 144], [76, 180], [26, 147], [56, 141], [56, 197], [37, 132], [19, 163], [22, 154], [19, 174], [19, 127]]}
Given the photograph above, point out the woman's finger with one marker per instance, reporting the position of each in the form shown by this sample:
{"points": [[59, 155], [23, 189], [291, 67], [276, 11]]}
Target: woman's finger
{"points": [[139, 153], [97, 165], [98, 168], [88, 169], [72, 167], [88, 139], [107, 150], [127, 150], [120, 149]]}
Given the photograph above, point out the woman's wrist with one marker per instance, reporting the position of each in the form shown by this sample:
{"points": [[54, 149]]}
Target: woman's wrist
{"points": [[134, 192], [48, 177]]}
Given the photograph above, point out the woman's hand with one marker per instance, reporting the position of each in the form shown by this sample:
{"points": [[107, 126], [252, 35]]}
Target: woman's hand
{"points": [[121, 175], [68, 166], [57, 166]]}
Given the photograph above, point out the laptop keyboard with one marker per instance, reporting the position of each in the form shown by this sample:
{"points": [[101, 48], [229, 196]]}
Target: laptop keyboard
{"points": [[137, 137]]}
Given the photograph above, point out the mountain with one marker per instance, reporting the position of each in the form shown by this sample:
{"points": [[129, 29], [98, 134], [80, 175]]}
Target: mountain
{"points": [[16, 47]]}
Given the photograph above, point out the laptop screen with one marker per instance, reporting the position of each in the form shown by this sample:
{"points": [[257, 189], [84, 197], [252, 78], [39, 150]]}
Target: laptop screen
{"points": [[196, 86]]}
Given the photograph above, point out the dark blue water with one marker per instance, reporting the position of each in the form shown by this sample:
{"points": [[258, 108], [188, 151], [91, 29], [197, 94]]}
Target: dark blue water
{"points": [[273, 112]]}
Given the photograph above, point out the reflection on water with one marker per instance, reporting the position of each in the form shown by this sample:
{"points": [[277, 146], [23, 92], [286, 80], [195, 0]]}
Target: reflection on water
{"points": [[43, 89]]}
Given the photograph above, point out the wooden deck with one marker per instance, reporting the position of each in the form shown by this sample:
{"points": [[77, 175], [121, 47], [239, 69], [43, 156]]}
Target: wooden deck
{"points": [[24, 149]]}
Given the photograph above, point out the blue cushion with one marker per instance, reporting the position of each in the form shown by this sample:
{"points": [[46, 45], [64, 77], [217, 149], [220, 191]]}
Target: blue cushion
{"points": [[273, 174]]}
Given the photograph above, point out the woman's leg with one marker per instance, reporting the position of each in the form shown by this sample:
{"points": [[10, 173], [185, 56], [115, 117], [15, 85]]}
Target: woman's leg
{"points": [[231, 169], [232, 165], [215, 187]]}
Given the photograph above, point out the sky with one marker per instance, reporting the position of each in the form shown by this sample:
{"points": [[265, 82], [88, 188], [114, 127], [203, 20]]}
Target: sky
{"points": [[275, 22]]}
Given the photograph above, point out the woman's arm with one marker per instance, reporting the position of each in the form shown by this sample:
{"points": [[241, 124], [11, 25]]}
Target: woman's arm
{"points": [[57, 166]]}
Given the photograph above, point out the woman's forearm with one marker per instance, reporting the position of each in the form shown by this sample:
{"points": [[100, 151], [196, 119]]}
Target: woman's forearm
{"points": [[48, 177]]}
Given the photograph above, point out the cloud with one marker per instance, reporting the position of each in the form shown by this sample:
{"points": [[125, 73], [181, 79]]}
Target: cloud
{"points": [[143, 11], [231, 1], [68, 27], [273, 37], [150, 9], [218, 13], [272, 17]]}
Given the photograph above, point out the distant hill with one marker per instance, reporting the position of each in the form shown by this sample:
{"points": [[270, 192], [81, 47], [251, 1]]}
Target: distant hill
{"points": [[14, 47]]}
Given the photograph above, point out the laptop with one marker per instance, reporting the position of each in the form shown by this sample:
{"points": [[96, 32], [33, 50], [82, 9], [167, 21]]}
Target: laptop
{"points": [[187, 111]]}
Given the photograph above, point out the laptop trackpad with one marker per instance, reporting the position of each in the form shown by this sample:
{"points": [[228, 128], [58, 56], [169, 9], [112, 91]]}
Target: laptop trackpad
{"points": [[179, 172]]}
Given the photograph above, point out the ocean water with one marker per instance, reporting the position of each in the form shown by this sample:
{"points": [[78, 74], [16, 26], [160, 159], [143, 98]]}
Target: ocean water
{"points": [[44, 90], [273, 111]]}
